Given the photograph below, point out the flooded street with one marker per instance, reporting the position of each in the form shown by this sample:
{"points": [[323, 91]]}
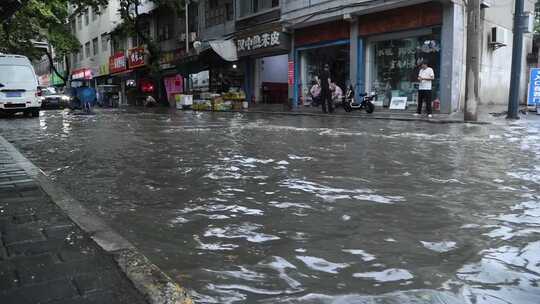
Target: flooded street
{"points": [[288, 209]]}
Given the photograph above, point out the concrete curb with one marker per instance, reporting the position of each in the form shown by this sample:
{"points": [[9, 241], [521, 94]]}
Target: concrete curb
{"points": [[156, 286]]}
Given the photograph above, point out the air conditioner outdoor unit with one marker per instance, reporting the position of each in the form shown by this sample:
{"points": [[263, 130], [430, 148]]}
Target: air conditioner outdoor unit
{"points": [[499, 37]]}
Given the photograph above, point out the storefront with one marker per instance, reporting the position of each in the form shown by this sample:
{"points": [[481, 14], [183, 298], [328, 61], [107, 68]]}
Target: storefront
{"points": [[172, 82], [119, 75], [128, 73], [263, 55], [396, 43], [384, 57], [214, 78], [81, 76], [330, 46]]}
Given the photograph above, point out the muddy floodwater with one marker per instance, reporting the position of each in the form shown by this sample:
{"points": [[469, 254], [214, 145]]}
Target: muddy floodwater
{"points": [[286, 209]]}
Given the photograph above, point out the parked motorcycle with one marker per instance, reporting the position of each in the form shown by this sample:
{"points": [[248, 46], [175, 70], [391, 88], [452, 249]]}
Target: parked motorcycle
{"points": [[350, 105]]}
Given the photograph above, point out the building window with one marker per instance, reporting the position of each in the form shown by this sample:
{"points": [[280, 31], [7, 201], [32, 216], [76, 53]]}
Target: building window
{"points": [[311, 66], [86, 17], [165, 32], [249, 7], [95, 13], [118, 44], [95, 46], [395, 65], [218, 12], [104, 42], [72, 26], [229, 11], [87, 49], [134, 41], [79, 22], [80, 54]]}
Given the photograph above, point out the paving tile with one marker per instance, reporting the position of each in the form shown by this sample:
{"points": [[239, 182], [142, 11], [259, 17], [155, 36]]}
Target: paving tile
{"points": [[22, 235], [44, 256], [40, 293], [32, 275]]}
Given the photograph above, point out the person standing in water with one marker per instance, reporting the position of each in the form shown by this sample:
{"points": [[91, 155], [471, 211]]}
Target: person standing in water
{"points": [[326, 93], [426, 77]]}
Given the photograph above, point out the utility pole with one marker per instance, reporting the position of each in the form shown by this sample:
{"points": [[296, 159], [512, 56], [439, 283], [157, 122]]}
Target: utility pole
{"points": [[187, 25], [474, 38], [517, 54]]}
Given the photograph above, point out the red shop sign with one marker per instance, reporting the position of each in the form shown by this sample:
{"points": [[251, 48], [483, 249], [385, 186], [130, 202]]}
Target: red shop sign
{"points": [[291, 73], [117, 62], [81, 74], [136, 57]]}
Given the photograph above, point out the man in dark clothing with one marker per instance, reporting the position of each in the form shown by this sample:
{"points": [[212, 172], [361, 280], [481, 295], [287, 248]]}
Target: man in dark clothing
{"points": [[326, 94]]}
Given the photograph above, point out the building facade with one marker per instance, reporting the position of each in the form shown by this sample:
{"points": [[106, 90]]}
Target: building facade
{"points": [[377, 46], [281, 46], [92, 28]]}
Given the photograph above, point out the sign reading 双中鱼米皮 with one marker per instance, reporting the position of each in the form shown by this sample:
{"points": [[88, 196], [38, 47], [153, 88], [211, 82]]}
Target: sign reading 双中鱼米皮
{"points": [[533, 99], [267, 41]]}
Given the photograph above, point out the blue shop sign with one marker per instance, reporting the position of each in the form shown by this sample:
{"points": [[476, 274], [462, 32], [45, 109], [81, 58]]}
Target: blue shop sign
{"points": [[534, 89]]}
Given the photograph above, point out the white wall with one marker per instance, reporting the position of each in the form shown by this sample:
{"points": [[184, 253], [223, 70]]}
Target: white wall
{"points": [[274, 69], [496, 64], [105, 23]]}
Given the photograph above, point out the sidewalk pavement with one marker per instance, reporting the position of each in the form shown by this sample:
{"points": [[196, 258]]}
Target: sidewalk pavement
{"points": [[380, 114], [487, 114], [44, 256]]}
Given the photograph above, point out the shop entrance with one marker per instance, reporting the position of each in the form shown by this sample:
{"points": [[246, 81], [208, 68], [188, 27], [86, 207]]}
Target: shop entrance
{"points": [[312, 61], [394, 64], [271, 79]]}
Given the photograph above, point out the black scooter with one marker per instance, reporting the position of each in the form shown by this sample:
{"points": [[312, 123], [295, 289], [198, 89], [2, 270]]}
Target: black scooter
{"points": [[367, 101]]}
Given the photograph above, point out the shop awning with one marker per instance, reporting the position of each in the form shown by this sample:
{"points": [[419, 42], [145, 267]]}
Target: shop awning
{"points": [[226, 49]]}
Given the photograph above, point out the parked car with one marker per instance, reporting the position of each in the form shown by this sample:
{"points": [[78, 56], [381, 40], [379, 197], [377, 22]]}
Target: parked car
{"points": [[52, 99], [18, 86]]}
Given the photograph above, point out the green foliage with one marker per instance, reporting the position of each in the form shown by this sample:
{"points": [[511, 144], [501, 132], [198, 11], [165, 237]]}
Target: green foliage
{"points": [[41, 21], [132, 25]]}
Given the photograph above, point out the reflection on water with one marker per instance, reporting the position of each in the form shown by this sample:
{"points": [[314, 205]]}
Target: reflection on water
{"points": [[278, 209]]}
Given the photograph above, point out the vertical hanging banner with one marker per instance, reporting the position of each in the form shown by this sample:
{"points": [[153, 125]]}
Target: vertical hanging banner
{"points": [[534, 89], [291, 73]]}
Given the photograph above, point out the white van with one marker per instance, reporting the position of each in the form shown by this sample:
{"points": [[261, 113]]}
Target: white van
{"points": [[18, 86]]}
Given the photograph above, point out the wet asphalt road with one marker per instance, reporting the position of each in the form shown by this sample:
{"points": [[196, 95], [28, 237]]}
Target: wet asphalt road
{"points": [[286, 209]]}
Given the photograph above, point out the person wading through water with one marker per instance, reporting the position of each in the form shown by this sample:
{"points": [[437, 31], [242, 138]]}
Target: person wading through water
{"points": [[326, 94]]}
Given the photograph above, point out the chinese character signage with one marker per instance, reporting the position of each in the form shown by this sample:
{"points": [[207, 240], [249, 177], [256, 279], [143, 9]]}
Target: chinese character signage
{"points": [[136, 57], [82, 74], [291, 73], [534, 89], [117, 63], [262, 41]]}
